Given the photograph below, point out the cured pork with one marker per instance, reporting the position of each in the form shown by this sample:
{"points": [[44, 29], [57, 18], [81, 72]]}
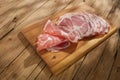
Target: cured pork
{"points": [[71, 27]]}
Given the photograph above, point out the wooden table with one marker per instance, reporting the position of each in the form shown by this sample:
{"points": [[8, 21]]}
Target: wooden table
{"points": [[19, 61]]}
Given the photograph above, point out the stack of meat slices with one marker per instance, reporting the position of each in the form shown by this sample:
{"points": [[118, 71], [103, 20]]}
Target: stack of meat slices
{"points": [[70, 27]]}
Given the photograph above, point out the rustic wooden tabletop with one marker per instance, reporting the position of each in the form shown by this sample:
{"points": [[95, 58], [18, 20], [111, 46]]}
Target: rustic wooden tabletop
{"points": [[19, 61]]}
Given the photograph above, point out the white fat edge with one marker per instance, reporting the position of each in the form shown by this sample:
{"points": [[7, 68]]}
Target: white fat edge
{"points": [[95, 21], [78, 27], [90, 31], [49, 21], [74, 41], [93, 28], [59, 21], [67, 28], [92, 22], [76, 37], [106, 30], [91, 19], [68, 15], [45, 41], [105, 25], [51, 49], [57, 47], [51, 40], [67, 34], [77, 30], [98, 23], [63, 33]]}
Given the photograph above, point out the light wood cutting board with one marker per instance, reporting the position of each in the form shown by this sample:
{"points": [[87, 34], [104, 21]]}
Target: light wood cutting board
{"points": [[57, 62]]}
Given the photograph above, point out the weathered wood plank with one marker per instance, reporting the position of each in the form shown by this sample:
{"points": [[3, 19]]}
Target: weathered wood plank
{"points": [[6, 6], [90, 62], [6, 17], [24, 64], [13, 41], [36, 71], [17, 14], [103, 68], [115, 72], [72, 70]]}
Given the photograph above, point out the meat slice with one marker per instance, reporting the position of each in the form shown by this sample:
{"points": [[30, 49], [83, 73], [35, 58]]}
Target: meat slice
{"points": [[47, 40], [79, 27], [59, 47], [53, 29]]}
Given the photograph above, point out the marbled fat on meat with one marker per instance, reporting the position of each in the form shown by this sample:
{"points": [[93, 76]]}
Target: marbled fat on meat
{"points": [[71, 27]]}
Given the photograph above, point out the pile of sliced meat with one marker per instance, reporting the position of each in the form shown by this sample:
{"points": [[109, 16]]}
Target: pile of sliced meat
{"points": [[70, 27]]}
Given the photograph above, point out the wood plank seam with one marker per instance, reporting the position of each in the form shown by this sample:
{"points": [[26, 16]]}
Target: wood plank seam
{"points": [[10, 8], [34, 69], [3, 36], [115, 57], [33, 12], [10, 30], [80, 66], [114, 7], [40, 72]]}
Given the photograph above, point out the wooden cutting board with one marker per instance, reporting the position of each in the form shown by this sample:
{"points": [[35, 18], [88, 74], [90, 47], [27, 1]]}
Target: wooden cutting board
{"points": [[57, 62]]}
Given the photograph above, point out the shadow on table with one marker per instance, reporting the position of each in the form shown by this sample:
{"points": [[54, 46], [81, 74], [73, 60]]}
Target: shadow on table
{"points": [[31, 58]]}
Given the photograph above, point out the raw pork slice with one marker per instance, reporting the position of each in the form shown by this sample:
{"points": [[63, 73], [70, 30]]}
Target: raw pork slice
{"points": [[59, 47], [71, 27], [47, 41]]}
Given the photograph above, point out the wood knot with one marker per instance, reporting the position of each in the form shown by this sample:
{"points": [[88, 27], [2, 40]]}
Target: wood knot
{"points": [[118, 68], [54, 57], [10, 39], [14, 19]]}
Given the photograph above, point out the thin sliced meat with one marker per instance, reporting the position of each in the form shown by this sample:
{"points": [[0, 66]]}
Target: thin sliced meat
{"points": [[46, 41], [71, 27], [53, 29], [59, 47]]}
